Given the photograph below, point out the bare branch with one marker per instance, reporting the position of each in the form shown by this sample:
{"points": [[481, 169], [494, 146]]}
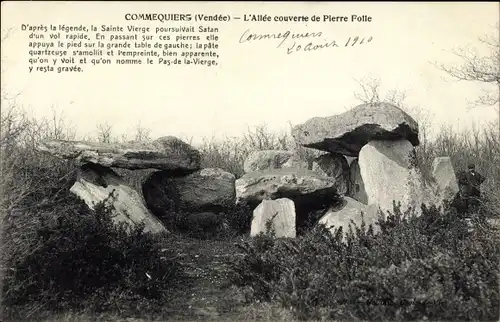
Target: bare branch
{"points": [[370, 90], [484, 69], [104, 132], [476, 68]]}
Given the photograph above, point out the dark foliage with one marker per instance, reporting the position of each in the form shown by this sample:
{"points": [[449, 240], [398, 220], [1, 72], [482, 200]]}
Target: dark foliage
{"points": [[70, 257], [435, 266]]}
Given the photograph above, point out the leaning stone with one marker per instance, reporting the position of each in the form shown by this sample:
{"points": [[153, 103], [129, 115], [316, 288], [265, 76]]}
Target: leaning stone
{"points": [[95, 183]]}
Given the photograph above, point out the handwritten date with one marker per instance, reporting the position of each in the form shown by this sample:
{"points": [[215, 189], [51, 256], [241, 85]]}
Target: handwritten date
{"points": [[351, 41]]}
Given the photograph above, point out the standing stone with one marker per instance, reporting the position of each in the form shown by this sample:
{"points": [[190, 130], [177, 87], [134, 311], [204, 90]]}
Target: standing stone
{"points": [[272, 159], [281, 212], [446, 181], [388, 176], [334, 165], [357, 189], [350, 211], [95, 183]]}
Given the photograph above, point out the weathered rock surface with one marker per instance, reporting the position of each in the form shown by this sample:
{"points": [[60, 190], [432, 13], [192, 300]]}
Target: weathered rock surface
{"points": [[348, 132], [95, 183], [256, 186], [281, 212], [357, 189], [387, 174], [334, 165], [272, 159], [206, 190], [166, 153], [446, 180], [350, 209]]}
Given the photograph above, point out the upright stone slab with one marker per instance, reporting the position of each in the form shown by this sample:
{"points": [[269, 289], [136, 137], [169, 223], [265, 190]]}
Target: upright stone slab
{"points": [[281, 212], [387, 173], [95, 183], [444, 175]]}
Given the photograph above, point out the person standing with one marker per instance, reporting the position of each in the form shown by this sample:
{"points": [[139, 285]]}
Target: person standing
{"points": [[470, 188]]}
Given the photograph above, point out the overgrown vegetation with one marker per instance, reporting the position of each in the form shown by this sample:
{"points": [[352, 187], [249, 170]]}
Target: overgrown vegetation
{"points": [[69, 257], [434, 267], [57, 254]]}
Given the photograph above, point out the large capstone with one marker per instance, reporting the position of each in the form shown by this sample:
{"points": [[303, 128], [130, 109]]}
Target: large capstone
{"points": [[166, 153], [348, 132]]}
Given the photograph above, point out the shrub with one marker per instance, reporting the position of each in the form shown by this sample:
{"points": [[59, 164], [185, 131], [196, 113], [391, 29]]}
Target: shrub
{"points": [[433, 266], [69, 255]]}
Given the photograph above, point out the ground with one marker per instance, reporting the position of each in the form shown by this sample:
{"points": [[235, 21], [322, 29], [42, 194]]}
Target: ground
{"points": [[206, 296]]}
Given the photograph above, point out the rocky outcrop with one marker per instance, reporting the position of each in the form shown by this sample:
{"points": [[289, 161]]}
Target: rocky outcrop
{"points": [[350, 214], [272, 159], [348, 132], [95, 183], [166, 153], [445, 178], [334, 165], [207, 190], [280, 213]]}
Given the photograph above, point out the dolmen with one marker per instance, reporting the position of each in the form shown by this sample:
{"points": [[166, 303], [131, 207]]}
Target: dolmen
{"points": [[363, 161], [177, 182], [367, 163]]}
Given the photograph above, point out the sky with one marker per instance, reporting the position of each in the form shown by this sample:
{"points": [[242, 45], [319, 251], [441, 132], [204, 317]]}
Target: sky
{"points": [[256, 82]]}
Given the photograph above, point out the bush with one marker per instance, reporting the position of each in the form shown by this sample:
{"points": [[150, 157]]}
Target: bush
{"points": [[71, 255], [57, 254], [433, 266]]}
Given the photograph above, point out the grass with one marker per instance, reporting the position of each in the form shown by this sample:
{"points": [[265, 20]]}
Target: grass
{"points": [[43, 225]]}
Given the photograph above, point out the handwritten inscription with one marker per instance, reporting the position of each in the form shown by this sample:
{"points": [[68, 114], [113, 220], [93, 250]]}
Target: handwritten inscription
{"points": [[247, 36], [312, 45], [351, 41]]}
